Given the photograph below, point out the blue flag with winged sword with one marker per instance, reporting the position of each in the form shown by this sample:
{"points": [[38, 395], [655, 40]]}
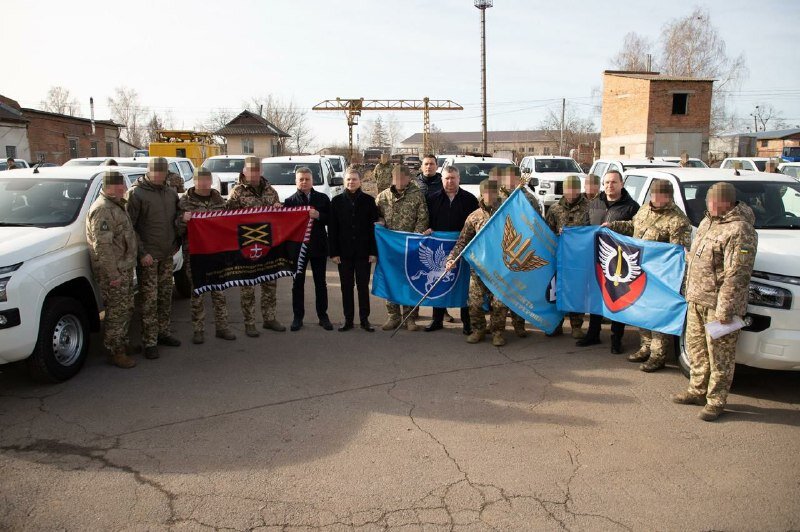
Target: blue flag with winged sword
{"points": [[409, 264], [514, 255]]}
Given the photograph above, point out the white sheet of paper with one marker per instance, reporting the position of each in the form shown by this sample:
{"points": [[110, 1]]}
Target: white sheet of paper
{"points": [[715, 329]]}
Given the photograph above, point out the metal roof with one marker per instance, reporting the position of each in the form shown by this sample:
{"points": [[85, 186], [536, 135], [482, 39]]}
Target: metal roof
{"points": [[456, 137], [654, 76]]}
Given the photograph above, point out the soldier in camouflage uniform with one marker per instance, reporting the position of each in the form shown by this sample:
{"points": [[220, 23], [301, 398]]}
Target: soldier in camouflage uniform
{"points": [[591, 186], [510, 179], [660, 221], [112, 249], [254, 191], [176, 182], [572, 210], [720, 263], [382, 173], [202, 198], [402, 207], [153, 208], [478, 291]]}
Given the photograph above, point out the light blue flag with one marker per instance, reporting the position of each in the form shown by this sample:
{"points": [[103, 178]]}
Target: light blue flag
{"points": [[514, 255], [410, 263], [625, 279]]}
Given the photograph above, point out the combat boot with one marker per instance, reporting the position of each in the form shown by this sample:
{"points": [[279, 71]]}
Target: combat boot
{"points": [[686, 398], [652, 365], [250, 330], [151, 352], [578, 333], [519, 330], [391, 324], [476, 336], [498, 340], [639, 356], [411, 324], [168, 340], [198, 337], [226, 334], [710, 413], [121, 359], [274, 325]]}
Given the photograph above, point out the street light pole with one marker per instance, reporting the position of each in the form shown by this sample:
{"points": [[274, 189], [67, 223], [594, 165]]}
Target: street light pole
{"points": [[483, 5]]}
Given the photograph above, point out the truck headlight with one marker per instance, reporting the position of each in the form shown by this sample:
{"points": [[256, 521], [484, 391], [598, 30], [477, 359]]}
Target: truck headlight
{"points": [[3, 284], [766, 295], [545, 184]]}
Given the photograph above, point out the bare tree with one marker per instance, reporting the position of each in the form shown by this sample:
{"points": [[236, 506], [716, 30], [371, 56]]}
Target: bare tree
{"points": [[218, 119], [577, 129], [285, 115], [766, 115], [59, 100], [153, 127], [394, 131], [128, 111], [439, 143], [634, 53]]}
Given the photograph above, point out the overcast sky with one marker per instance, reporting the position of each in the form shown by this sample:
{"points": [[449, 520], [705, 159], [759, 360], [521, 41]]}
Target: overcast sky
{"points": [[190, 58]]}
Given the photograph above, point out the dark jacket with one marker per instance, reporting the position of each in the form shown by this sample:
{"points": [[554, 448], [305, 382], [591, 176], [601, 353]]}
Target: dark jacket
{"points": [[446, 215], [318, 244], [154, 210], [351, 226], [601, 210], [429, 185]]}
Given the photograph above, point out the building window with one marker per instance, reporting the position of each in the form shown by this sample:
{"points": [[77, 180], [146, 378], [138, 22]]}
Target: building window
{"points": [[622, 150], [73, 148], [93, 151], [109, 149], [11, 151], [680, 103], [247, 146], [764, 143], [180, 152], [546, 150]]}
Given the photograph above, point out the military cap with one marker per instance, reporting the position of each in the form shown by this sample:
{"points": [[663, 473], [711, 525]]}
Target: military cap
{"points": [[252, 161], [661, 186], [722, 191], [202, 171], [572, 181], [112, 177], [157, 164], [488, 184]]}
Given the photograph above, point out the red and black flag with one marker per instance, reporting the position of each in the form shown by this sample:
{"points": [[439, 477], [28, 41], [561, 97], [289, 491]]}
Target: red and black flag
{"points": [[246, 246]]}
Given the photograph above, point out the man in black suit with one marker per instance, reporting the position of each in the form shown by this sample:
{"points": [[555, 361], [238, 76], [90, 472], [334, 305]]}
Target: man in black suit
{"points": [[351, 231], [448, 209], [316, 249]]}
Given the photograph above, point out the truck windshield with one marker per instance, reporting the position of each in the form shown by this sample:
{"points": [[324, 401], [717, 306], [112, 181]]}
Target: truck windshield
{"points": [[775, 205], [283, 173], [557, 165], [40, 202], [336, 163], [474, 173], [224, 165]]}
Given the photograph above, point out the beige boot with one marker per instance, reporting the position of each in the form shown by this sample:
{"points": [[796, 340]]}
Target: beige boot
{"points": [[411, 324], [476, 336], [686, 398], [250, 330], [710, 413], [498, 340], [578, 334], [391, 324], [121, 359]]}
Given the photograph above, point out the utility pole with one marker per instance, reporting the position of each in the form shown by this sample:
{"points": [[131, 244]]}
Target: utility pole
{"points": [[483, 5], [561, 142]]}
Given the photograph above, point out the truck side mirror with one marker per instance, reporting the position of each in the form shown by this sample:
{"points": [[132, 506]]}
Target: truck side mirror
{"points": [[336, 181]]}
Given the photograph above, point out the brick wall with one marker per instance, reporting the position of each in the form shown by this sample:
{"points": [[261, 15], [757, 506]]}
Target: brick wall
{"points": [[49, 137], [774, 147]]}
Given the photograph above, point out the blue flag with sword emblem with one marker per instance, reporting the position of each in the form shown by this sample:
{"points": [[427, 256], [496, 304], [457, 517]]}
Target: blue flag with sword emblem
{"points": [[514, 255], [625, 279], [409, 264]]}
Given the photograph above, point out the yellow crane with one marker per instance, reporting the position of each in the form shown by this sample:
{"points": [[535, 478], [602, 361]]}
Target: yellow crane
{"points": [[353, 107]]}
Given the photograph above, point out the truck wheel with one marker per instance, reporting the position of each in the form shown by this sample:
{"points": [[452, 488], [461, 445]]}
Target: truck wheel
{"points": [[681, 354], [182, 284], [63, 341]]}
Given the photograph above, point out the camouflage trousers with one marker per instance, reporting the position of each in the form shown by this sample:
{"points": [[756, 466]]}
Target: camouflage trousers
{"points": [[477, 317], [712, 362], [155, 292], [199, 310], [393, 310], [269, 302], [655, 343], [119, 310]]}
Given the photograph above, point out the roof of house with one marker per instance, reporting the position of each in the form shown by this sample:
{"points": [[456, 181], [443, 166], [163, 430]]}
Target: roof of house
{"points": [[10, 111], [29, 111], [456, 137], [248, 123], [653, 76], [777, 134]]}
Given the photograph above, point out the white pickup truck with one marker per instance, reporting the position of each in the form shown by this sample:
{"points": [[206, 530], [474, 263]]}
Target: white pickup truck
{"points": [[49, 301]]}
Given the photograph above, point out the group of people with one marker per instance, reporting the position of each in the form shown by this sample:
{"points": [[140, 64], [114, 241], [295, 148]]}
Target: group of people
{"points": [[143, 227]]}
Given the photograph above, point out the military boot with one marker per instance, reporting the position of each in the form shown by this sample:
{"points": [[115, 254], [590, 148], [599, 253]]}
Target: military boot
{"points": [[250, 330], [652, 365], [498, 340], [168, 340], [411, 324], [519, 330], [686, 398], [476, 336], [274, 325], [639, 356], [710, 413], [198, 337], [225, 334], [151, 352], [121, 359], [391, 324], [578, 333]]}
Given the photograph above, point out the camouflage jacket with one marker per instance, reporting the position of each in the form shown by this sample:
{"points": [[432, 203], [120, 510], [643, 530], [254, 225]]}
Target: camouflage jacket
{"points": [[503, 193], [720, 262], [382, 173], [244, 196], [193, 202], [403, 211], [176, 182], [475, 221], [564, 214], [112, 241], [667, 224]]}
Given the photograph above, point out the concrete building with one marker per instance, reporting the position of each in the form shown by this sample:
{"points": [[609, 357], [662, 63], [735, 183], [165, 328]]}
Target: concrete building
{"points": [[731, 145], [646, 114], [251, 134], [520, 143], [13, 131], [57, 138]]}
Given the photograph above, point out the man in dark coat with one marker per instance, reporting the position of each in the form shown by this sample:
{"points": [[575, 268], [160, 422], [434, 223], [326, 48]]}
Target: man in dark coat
{"points": [[429, 180], [351, 235], [613, 204], [447, 211], [316, 250]]}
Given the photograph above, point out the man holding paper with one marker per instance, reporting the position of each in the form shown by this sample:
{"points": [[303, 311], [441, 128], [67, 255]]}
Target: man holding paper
{"points": [[720, 263]]}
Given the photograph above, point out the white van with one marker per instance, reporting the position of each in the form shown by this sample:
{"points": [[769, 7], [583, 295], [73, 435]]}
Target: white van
{"points": [[546, 174], [279, 171], [225, 170]]}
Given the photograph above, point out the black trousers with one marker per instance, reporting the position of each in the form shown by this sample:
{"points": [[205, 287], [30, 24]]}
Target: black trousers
{"points": [[355, 273], [595, 321], [438, 315], [318, 265]]}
